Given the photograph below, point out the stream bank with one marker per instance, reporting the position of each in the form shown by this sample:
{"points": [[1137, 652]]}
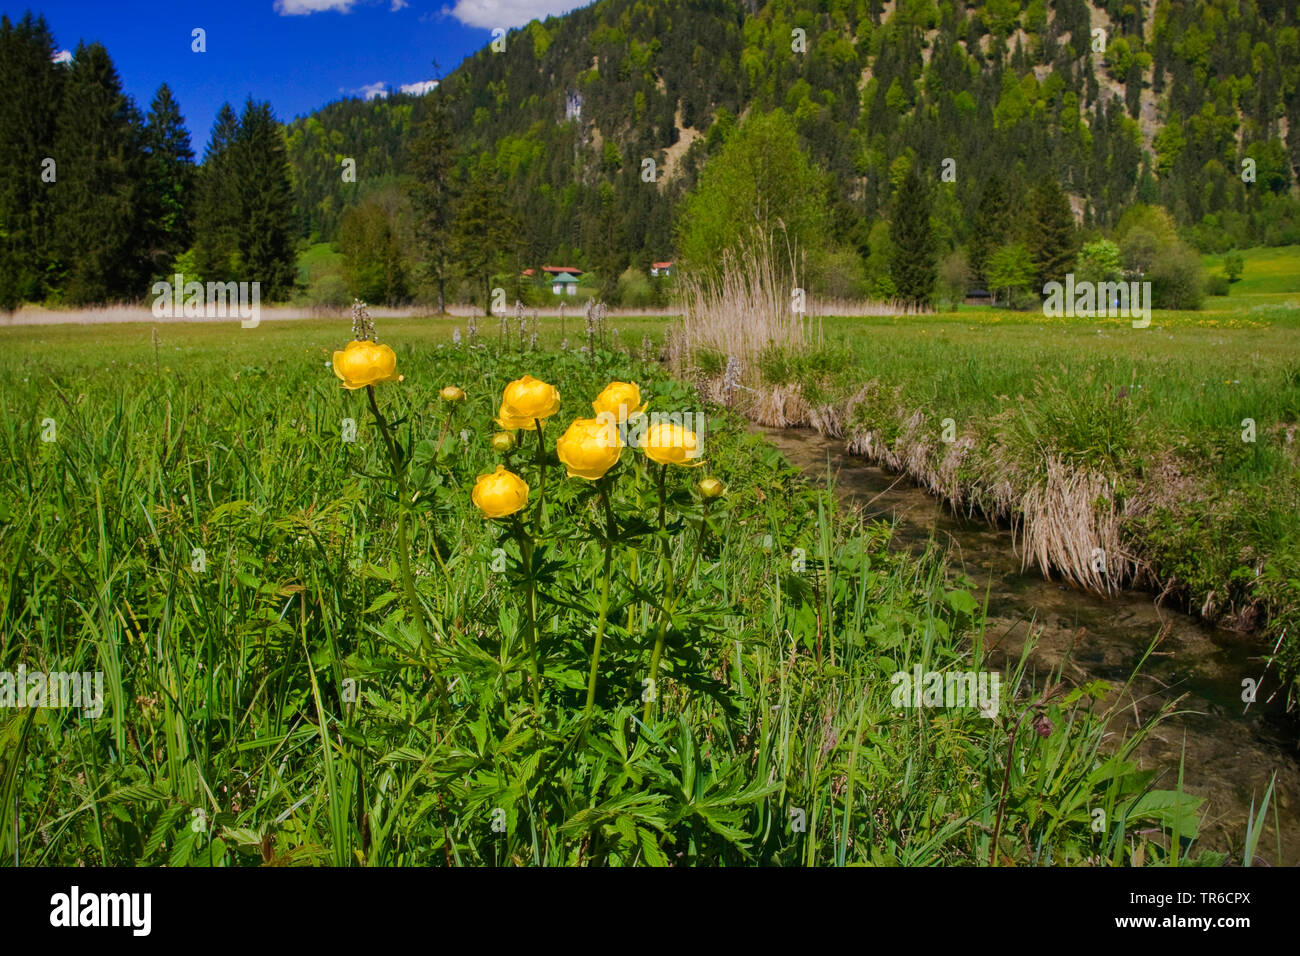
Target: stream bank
{"points": [[1230, 750]]}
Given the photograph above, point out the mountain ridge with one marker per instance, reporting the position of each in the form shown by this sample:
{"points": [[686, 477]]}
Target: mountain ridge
{"points": [[1181, 93]]}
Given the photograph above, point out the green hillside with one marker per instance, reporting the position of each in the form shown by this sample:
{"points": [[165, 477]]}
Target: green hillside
{"points": [[1164, 111]]}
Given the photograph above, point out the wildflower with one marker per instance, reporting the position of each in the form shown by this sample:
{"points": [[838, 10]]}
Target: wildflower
{"points": [[452, 393], [526, 400], [712, 488], [503, 441], [499, 494], [619, 399], [731, 378], [671, 444], [589, 448], [363, 363]]}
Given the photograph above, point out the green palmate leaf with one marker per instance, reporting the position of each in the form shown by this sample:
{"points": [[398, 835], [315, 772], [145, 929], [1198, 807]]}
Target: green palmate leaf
{"points": [[654, 856], [381, 602], [1170, 808]]}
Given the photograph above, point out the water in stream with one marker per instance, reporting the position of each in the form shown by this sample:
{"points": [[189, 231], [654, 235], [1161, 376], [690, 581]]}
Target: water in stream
{"points": [[1230, 751]]}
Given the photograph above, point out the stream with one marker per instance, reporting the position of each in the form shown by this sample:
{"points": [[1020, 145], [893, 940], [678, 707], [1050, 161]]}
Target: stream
{"points": [[1230, 750]]}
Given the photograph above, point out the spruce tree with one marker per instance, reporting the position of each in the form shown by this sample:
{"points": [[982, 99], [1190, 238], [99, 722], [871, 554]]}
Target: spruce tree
{"points": [[914, 266], [216, 218], [32, 85], [98, 208], [430, 161], [1053, 239], [484, 230], [169, 180], [267, 226], [992, 227]]}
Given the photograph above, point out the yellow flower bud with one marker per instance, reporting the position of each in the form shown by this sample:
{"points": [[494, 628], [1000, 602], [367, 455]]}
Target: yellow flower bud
{"points": [[526, 400], [451, 393], [502, 442], [671, 444], [712, 488], [499, 494], [589, 448], [365, 363], [619, 399]]}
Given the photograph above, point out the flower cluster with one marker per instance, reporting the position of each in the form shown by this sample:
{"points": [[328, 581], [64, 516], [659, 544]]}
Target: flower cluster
{"points": [[589, 447]]}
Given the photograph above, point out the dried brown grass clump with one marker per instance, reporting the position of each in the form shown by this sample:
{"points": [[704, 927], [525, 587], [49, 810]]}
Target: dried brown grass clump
{"points": [[1070, 523], [1065, 519], [778, 406], [828, 419], [744, 308], [855, 308]]}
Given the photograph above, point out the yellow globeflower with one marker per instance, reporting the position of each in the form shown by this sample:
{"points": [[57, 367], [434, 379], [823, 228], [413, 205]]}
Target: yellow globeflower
{"points": [[712, 488], [619, 399], [671, 444], [525, 400], [503, 442], [499, 494], [589, 448], [452, 393], [365, 363]]}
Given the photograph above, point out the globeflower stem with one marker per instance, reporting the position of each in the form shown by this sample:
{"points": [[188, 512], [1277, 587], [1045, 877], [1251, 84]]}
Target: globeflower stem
{"points": [[526, 546], [671, 597], [414, 608], [403, 545], [663, 476], [611, 529], [540, 520]]}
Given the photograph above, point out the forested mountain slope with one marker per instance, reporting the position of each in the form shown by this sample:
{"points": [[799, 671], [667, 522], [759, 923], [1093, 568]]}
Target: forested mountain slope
{"points": [[1121, 102]]}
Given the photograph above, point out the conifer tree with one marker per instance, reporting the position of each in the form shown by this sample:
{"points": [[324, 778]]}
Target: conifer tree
{"points": [[914, 265], [1053, 239], [216, 218], [32, 86], [267, 226], [484, 230], [98, 209], [430, 161], [991, 229], [169, 182]]}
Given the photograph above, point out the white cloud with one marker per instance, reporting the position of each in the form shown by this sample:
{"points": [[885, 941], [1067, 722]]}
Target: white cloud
{"points": [[380, 89], [399, 5], [418, 88], [301, 8], [63, 56], [509, 13]]}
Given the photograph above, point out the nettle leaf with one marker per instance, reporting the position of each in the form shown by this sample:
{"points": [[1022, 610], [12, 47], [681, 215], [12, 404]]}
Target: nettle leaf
{"points": [[654, 856], [1170, 808], [962, 602], [381, 602]]}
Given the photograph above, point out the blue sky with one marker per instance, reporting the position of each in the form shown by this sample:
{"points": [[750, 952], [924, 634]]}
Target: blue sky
{"points": [[298, 54]]}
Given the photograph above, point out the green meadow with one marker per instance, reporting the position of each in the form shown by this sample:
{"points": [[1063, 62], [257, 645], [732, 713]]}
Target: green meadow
{"points": [[318, 650]]}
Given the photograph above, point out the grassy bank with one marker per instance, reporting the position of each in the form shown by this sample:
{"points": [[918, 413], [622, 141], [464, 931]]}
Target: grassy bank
{"points": [[1163, 458], [183, 514]]}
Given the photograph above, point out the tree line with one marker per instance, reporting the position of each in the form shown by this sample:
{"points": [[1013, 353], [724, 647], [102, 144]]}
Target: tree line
{"points": [[597, 140]]}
